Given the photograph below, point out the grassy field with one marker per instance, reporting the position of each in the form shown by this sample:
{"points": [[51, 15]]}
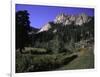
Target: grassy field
{"points": [[85, 60], [39, 59], [29, 62]]}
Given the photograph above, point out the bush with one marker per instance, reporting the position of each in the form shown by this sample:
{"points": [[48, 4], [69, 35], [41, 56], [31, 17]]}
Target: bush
{"points": [[22, 62], [29, 50], [34, 63], [65, 51]]}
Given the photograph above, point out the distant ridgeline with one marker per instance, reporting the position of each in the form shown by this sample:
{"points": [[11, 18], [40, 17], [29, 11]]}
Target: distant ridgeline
{"points": [[65, 29]]}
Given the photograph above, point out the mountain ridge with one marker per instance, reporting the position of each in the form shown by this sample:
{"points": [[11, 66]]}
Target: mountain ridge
{"points": [[65, 19]]}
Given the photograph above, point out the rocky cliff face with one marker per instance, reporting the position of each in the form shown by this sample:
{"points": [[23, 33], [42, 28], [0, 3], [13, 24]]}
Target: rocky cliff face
{"points": [[64, 19], [46, 27], [72, 19]]}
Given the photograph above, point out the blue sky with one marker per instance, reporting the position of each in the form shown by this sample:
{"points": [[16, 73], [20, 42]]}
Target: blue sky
{"points": [[40, 15]]}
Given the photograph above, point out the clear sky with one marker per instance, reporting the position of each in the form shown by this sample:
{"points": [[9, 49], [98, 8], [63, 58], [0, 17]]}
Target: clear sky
{"points": [[40, 15]]}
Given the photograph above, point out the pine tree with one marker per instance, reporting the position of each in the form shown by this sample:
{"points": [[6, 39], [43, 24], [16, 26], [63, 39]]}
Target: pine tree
{"points": [[22, 29]]}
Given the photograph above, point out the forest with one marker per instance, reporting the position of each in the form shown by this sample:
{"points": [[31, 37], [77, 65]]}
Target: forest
{"points": [[62, 47]]}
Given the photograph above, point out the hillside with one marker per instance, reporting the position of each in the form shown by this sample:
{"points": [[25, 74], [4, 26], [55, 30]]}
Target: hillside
{"points": [[65, 43]]}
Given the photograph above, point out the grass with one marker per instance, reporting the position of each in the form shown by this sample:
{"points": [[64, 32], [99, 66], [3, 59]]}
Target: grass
{"points": [[38, 59], [30, 50], [84, 61], [46, 62]]}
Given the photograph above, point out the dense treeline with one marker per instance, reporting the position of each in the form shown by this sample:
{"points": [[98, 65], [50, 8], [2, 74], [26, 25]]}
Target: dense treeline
{"points": [[64, 34], [49, 50]]}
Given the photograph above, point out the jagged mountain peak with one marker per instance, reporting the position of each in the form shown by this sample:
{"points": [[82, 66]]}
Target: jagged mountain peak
{"points": [[46, 27], [67, 19]]}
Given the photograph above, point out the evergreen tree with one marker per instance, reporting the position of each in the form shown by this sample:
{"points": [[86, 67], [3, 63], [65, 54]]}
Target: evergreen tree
{"points": [[22, 29]]}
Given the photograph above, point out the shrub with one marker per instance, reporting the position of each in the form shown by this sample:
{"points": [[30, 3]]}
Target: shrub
{"points": [[29, 50], [34, 63]]}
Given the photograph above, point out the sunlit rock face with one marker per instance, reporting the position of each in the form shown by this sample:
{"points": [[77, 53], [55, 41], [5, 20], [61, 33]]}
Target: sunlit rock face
{"points": [[81, 19], [46, 27], [72, 19], [60, 18], [65, 19]]}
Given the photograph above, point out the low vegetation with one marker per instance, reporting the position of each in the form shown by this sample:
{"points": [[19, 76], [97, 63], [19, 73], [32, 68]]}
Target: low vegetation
{"points": [[37, 62], [60, 47]]}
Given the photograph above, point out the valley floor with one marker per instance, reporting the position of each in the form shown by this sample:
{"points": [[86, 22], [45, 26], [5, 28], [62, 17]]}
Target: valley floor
{"points": [[85, 60], [31, 62]]}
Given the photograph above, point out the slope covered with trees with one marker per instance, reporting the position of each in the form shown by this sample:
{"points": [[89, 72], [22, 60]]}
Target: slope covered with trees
{"points": [[61, 44]]}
